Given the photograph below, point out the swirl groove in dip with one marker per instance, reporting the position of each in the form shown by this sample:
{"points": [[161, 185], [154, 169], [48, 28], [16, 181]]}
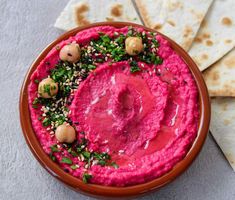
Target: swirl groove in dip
{"points": [[135, 116]]}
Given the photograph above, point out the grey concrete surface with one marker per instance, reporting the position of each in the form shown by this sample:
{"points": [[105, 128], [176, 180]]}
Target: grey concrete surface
{"points": [[26, 27]]}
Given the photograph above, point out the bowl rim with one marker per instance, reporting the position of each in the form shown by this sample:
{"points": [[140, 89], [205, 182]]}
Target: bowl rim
{"points": [[112, 191]]}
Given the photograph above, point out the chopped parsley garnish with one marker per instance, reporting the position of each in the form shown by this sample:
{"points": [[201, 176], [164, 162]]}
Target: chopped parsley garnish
{"points": [[46, 122], [134, 67], [155, 42], [47, 89], [66, 160], [72, 152], [34, 106], [62, 71], [54, 148], [86, 177], [86, 154], [102, 158], [35, 101], [115, 165], [53, 158], [74, 167], [36, 81]]}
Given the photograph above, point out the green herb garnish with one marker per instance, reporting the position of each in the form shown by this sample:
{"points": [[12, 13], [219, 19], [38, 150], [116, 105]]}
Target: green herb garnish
{"points": [[54, 148], [35, 106], [53, 158], [36, 81], [86, 177], [67, 160], [47, 89], [72, 152], [35, 101], [134, 67], [86, 154], [115, 165], [73, 167], [46, 122], [102, 162]]}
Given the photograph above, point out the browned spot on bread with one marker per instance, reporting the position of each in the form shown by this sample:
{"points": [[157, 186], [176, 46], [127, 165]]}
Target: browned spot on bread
{"points": [[199, 16], [209, 43], [201, 37], [187, 31], [204, 56], [175, 5], [80, 12], [206, 35], [228, 41], [211, 77], [109, 19], [157, 26], [226, 21], [82, 8], [227, 90], [198, 39], [230, 62], [117, 10], [171, 22], [215, 76]]}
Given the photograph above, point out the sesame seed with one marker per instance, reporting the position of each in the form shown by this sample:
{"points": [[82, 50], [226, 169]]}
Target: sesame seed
{"points": [[121, 151], [95, 162], [82, 157]]}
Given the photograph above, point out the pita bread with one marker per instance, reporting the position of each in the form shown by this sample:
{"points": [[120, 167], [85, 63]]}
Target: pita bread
{"points": [[223, 126], [178, 19], [220, 77], [79, 13], [216, 36]]}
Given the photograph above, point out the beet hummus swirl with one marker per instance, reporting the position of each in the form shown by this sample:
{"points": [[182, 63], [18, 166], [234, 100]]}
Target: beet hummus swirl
{"points": [[114, 106]]}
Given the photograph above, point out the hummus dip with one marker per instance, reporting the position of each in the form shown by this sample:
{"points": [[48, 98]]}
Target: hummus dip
{"points": [[132, 118]]}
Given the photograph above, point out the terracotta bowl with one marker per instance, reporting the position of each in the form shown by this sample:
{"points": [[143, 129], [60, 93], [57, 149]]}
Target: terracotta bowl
{"points": [[105, 191]]}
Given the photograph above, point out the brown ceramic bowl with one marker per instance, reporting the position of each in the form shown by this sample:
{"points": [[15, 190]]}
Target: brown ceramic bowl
{"points": [[105, 191]]}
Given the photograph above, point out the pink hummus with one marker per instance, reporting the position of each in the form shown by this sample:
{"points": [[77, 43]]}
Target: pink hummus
{"points": [[147, 121]]}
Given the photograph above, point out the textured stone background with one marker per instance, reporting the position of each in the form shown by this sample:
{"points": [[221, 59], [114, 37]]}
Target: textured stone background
{"points": [[26, 27]]}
